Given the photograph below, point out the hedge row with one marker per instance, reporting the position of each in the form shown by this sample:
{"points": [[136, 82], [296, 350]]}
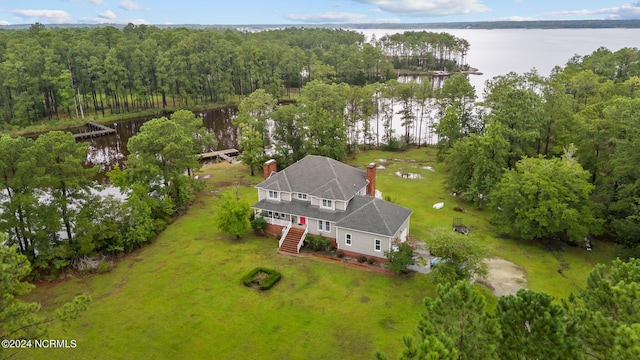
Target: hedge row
{"points": [[265, 284]]}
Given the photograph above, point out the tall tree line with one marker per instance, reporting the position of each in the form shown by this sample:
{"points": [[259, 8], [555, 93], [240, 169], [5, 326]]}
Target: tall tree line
{"points": [[424, 50], [52, 73], [334, 120]]}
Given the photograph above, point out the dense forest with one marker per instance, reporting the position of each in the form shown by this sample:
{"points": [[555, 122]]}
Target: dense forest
{"points": [[52, 73]]}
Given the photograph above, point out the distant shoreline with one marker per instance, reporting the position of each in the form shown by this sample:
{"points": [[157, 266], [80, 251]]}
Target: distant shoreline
{"points": [[472, 25]]}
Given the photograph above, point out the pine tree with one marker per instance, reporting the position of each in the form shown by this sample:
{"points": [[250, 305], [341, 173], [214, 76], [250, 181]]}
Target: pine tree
{"points": [[457, 319], [533, 327]]}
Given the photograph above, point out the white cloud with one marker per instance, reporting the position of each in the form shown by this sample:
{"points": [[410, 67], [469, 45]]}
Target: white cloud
{"points": [[100, 20], [429, 7], [328, 17], [626, 11], [94, 2], [2, 22], [131, 5], [54, 16], [108, 14]]}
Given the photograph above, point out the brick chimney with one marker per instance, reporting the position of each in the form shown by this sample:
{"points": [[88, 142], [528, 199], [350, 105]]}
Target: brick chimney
{"points": [[269, 167], [371, 176]]}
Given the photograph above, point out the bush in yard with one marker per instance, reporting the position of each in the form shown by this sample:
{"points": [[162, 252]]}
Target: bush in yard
{"points": [[461, 256], [258, 224], [318, 243], [266, 283], [232, 214], [400, 256], [362, 259]]}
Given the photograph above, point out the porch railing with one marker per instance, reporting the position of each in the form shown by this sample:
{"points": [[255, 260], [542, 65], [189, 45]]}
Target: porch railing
{"points": [[304, 234], [275, 221], [284, 234]]}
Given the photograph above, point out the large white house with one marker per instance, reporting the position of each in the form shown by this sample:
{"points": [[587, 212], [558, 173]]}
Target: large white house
{"points": [[321, 196]]}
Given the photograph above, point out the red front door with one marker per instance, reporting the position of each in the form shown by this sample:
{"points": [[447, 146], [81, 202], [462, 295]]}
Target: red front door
{"points": [[303, 220]]}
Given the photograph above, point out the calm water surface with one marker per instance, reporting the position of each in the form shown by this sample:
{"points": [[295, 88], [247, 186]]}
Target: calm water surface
{"points": [[497, 52]]}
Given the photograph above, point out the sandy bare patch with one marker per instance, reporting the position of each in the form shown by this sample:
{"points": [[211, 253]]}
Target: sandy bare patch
{"points": [[505, 277]]}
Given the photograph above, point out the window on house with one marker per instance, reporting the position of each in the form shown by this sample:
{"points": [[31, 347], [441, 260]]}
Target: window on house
{"points": [[273, 195], [302, 196], [378, 245], [324, 226], [327, 204], [347, 239]]}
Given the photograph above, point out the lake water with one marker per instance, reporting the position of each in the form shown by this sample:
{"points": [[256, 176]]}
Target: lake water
{"points": [[497, 52], [493, 52]]}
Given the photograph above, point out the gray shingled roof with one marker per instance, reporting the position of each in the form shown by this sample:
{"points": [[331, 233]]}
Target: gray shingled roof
{"points": [[318, 176], [364, 213]]}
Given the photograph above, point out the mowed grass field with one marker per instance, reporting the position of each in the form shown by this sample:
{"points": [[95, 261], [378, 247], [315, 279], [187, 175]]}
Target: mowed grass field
{"points": [[182, 296]]}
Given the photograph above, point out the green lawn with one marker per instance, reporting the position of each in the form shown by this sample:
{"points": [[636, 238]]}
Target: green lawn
{"points": [[182, 296]]}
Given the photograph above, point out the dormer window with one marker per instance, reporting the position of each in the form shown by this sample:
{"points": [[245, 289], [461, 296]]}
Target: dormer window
{"points": [[302, 196], [274, 195], [327, 204]]}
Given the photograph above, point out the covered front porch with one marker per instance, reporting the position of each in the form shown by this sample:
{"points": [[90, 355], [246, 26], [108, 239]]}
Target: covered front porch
{"points": [[292, 229]]}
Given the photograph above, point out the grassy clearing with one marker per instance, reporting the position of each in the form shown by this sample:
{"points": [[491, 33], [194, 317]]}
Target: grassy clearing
{"points": [[182, 296]]}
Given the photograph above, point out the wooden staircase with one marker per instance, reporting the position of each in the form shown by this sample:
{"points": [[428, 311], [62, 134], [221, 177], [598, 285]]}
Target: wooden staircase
{"points": [[290, 244]]}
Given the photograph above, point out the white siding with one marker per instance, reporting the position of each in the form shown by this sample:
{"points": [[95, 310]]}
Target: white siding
{"points": [[315, 201], [285, 196], [341, 205], [363, 243], [262, 193], [313, 228]]}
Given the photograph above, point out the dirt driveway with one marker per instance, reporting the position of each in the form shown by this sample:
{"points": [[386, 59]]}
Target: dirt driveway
{"points": [[505, 277]]}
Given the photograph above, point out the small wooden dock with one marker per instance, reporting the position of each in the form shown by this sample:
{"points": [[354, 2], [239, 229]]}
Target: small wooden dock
{"points": [[97, 130], [226, 155]]}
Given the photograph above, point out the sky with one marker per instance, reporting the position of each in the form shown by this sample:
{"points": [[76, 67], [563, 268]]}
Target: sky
{"points": [[239, 12]]}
